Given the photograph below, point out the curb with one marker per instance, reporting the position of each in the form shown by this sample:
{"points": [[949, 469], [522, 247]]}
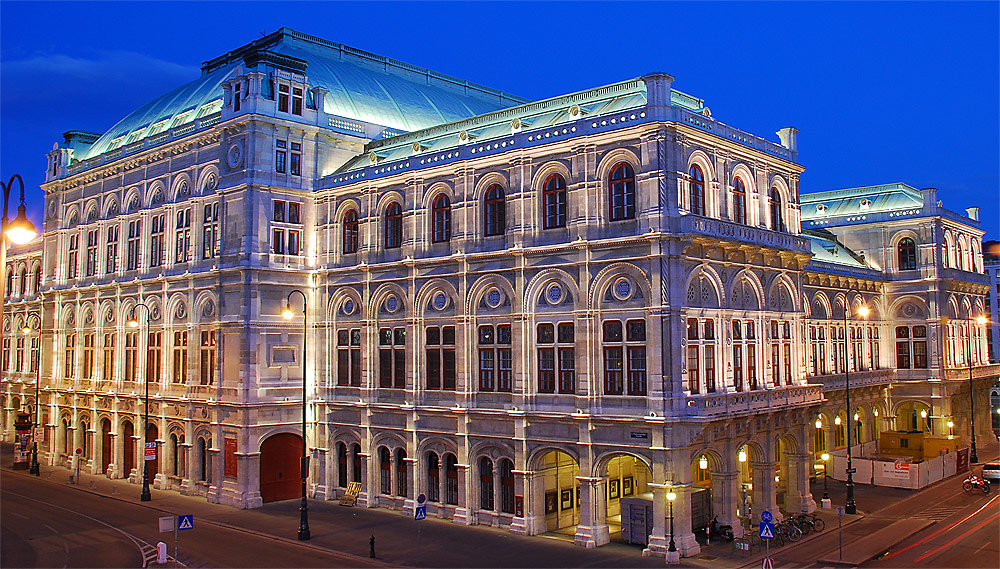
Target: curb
{"points": [[357, 559]]}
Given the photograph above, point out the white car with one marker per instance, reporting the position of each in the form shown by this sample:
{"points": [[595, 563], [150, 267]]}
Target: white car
{"points": [[991, 471]]}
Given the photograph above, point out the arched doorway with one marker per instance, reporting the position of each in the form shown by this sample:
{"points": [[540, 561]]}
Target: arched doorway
{"points": [[629, 500], [561, 495], [745, 478], [279, 467], [106, 446], [152, 433], [128, 444], [913, 416], [342, 465]]}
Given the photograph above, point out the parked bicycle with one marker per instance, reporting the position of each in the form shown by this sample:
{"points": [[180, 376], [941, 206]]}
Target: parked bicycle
{"points": [[786, 530], [809, 522]]}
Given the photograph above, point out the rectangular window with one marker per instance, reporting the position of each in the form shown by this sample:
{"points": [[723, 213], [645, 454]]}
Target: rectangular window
{"points": [[88, 356], [111, 259], [91, 253], [210, 232], [628, 360], [19, 359], [349, 357], [131, 355], [237, 99], [902, 347], [495, 358], [154, 357], [36, 354], [440, 347], [278, 241], [920, 347], [73, 263], [70, 356], [822, 350], [293, 242], [296, 100], [556, 358], [694, 378], [6, 356], [788, 364], [776, 363], [283, 98], [157, 226], [710, 368], [182, 236], [134, 248], [208, 357], [392, 358], [180, 357], [295, 164], [109, 356], [280, 156], [293, 212], [279, 211], [738, 366]]}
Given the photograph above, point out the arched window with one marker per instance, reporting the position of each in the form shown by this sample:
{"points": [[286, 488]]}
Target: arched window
{"points": [[385, 471], [777, 223], [38, 279], [402, 478], [739, 202], [906, 251], [433, 477], [554, 201], [947, 254], [621, 192], [507, 486], [485, 483], [342, 465], [697, 190], [495, 218], [351, 232], [441, 219], [10, 282], [451, 479], [24, 281], [356, 463], [393, 226]]}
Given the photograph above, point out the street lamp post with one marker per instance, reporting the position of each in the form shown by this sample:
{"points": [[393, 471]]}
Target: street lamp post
{"points": [[288, 314], [826, 476], [19, 231], [850, 506], [34, 426], [973, 456], [672, 555], [145, 496]]}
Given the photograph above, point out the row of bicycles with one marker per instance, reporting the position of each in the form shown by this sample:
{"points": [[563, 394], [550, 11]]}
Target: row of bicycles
{"points": [[791, 529]]}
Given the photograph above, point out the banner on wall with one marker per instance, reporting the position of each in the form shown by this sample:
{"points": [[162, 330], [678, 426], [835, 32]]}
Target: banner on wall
{"points": [[896, 470], [962, 460]]}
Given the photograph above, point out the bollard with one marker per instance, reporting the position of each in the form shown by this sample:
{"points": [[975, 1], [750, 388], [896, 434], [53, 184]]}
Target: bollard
{"points": [[161, 552], [371, 544], [114, 490], [91, 484]]}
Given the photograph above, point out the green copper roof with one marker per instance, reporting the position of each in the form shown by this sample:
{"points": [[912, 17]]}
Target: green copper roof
{"points": [[860, 201], [548, 113], [360, 86]]}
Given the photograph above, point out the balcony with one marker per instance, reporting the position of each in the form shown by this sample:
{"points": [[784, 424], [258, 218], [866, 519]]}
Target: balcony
{"points": [[858, 379], [978, 372], [720, 230], [750, 402]]}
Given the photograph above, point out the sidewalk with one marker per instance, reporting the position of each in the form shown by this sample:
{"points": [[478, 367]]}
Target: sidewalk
{"points": [[402, 541]]}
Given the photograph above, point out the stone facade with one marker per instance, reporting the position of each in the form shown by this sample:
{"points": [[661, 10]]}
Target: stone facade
{"points": [[531, 315]]}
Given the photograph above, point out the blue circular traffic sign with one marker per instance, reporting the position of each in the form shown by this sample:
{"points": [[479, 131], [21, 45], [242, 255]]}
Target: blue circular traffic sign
{"points": [[765, 516]]}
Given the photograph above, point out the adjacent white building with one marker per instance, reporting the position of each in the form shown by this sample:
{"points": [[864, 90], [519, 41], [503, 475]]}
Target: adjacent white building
{"points": [[532, 312]]}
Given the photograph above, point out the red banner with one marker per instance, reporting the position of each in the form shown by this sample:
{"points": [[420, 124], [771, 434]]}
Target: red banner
{"points": [[962, 460]]}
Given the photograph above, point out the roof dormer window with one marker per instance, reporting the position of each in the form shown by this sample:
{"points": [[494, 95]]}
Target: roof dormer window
{"points": [[236, 97], [820, 208], [866, 203], [285, 93]]}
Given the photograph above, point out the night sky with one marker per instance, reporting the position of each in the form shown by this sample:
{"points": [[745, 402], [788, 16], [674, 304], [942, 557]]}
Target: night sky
{"points": [[880, 92]]}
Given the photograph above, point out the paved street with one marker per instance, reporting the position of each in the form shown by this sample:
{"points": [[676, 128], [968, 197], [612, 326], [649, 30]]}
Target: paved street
{"points": [[47, 522]]}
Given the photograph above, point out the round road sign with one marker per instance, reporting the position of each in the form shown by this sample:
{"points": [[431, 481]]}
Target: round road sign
{"points": [[79, 451], [765, 516], [421, 499]]}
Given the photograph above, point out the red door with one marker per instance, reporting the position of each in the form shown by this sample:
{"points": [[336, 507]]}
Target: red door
{"points": [[279, 468], [128, 440], [106, 451], [152, 434]]}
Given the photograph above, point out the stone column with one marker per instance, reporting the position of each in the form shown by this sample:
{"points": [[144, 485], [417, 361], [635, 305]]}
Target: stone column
{"points": [[369, 490], [410, 501], [532, 488], [659, 540], [726, 500], [764, 494], [798, 496], [463, 513], [187, 484], [592, 531]]}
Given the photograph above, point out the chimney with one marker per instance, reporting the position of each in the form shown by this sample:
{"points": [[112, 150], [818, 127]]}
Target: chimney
{"points": [[658, 94], [973, 213], [788, 138], [930, 196]]}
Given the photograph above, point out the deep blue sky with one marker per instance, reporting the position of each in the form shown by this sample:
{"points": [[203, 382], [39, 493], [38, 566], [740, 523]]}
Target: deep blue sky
{"points": [[880, 92]]}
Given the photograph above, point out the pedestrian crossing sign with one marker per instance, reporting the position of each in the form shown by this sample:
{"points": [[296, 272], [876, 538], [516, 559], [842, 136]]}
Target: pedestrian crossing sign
{"points": [[766, 530], [185, 522], [420, 513]]}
